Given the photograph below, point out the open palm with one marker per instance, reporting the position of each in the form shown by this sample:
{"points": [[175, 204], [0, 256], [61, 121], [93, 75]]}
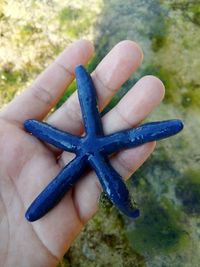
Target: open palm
{"points": [[27, 165]]}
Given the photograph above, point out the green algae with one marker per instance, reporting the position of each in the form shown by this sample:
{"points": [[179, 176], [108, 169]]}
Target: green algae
{"points": [[11, 81], [192, 97], [103, 243], [158, 230], [189, 9], [68, 14], [75, 21], [188, 191], [27, 30]]}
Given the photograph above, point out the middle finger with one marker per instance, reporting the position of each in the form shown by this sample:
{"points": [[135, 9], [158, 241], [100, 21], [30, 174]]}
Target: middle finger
{"points": [[109, 75]]}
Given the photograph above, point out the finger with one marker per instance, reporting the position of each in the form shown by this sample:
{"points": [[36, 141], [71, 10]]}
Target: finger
{"points": [[142, 99], [135, 106], [109, 75], [46, 90]]}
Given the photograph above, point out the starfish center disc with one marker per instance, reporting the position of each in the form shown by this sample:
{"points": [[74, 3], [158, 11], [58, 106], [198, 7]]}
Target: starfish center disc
{"points": [[90, 146]]}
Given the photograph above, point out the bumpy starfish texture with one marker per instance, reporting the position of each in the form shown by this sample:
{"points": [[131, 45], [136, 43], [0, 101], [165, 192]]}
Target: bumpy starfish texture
{"points": [[93, 150]]}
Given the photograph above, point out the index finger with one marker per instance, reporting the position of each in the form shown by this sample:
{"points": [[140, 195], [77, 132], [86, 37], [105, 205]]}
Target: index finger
{"points": [[46, 90]]}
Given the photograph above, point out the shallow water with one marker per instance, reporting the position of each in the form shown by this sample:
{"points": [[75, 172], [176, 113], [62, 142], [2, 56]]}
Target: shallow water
{"points": [[167, 187]]}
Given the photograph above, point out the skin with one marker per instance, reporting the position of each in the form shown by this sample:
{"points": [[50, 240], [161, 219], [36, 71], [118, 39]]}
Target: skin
{"points": [[28, 165]]}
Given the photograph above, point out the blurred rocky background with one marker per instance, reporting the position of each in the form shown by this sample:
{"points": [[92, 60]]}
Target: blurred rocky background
{"points": [[167, 186]]}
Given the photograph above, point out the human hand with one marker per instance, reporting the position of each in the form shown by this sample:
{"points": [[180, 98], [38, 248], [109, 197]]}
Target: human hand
{"points": [[27, 165]]}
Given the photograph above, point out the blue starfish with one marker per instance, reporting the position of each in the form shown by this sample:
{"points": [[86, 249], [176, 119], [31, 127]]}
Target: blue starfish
{"points": [[92, 150]]}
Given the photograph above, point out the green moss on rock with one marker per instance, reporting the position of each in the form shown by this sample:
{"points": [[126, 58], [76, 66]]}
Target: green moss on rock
{"points": [[158, 229], [188, 191], [103, 243]]}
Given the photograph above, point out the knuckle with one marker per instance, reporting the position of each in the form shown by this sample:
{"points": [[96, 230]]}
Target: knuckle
{"points": [[73, 110], [122, 116], [42, 94], [100, 84], [125, 162]]}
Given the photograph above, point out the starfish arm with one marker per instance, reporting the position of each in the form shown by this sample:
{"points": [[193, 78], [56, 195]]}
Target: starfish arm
{"points": [[88, 102], [49, 134], [113, 185], [147, 132], [56, 189]]}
